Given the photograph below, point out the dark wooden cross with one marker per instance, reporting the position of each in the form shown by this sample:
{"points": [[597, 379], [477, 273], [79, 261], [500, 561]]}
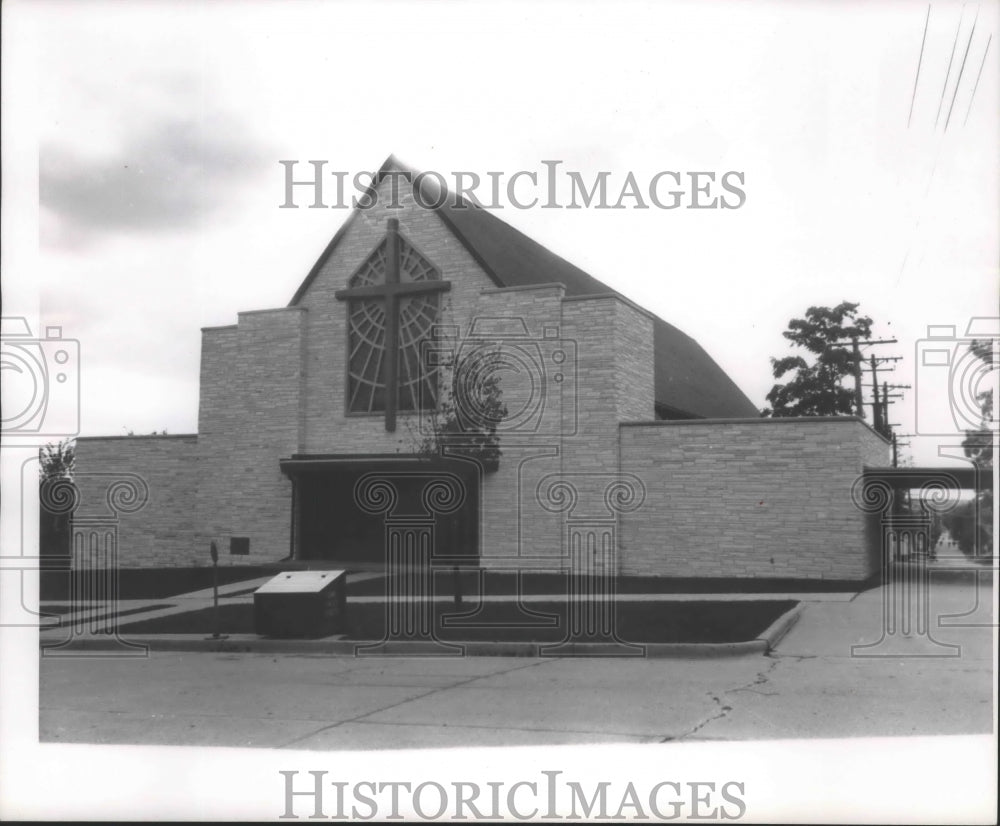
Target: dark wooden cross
{"points": [[391, 292]]}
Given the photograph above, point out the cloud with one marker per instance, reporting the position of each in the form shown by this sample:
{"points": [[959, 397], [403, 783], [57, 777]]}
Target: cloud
{"points": [[169, 176]]}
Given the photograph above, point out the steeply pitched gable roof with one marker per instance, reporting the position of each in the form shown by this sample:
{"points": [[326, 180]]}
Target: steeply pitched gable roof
{"points": [[688, 382]]}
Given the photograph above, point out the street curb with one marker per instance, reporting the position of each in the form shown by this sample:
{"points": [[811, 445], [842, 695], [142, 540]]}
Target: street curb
{"points": [[337, 646], [252, 644], [248, 644], [776, 631]]}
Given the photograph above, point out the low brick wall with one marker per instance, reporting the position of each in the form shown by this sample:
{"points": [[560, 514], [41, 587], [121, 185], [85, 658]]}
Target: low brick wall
{"points": [[749, 498], [160, 532]]}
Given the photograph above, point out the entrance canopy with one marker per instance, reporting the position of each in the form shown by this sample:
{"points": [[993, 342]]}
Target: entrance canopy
{"points": [[301, 463], [963, 477]]}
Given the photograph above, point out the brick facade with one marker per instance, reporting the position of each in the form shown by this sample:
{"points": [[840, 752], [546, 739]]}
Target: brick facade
{"points": [[160, 532], [576, 367], [252, 387], [749, 498]]}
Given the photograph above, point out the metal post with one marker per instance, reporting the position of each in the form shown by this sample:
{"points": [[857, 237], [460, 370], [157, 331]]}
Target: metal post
{"points": [[213, 549]]}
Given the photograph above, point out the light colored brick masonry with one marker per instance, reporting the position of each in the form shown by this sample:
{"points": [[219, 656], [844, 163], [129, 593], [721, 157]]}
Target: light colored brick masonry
{"points": [[162, 532], [749, 498], [249, 419], [274, 385]]}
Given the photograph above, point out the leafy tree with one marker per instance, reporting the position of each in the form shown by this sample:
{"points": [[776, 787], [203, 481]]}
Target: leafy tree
{"points": [[978, 444], [465, 422], [57, 461], [971, 524], [815, 389]]}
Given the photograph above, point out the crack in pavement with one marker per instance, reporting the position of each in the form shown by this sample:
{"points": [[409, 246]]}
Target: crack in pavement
{"points": [[435, 690], [723, 709], [762, 678], [537, 730]]}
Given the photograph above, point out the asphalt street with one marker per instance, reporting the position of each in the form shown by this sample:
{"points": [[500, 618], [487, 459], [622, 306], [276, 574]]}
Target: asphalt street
{"points": [[816, 683]]}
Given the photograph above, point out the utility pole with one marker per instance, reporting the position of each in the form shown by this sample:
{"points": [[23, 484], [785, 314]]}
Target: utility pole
{"points": [[880, 405], [897, 442], [856, 345], [877, 409], [858, 398], [885, 403]]}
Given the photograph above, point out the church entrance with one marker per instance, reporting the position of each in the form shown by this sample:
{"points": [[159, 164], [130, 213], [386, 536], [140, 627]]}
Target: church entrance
{"points": [[346, 508]]}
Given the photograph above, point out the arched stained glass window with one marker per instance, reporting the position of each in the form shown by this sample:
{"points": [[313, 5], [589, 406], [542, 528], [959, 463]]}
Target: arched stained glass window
{"points": [[379, 296]]}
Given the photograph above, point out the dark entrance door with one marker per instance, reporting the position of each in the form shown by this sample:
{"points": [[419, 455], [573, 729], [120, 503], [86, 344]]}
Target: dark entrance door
{"points": [[332, 526]]}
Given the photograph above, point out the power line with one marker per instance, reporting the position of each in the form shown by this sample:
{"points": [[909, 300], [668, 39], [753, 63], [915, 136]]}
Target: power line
{"points": [[856, 345], [950, 61], [961, 70], [863, 343], [973, 95], [920, 61]]}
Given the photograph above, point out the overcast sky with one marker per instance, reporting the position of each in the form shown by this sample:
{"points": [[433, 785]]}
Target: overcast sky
{"points": [[161, 127]]}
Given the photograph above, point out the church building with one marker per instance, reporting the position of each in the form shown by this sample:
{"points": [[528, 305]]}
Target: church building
{"points": [[370, 402]]}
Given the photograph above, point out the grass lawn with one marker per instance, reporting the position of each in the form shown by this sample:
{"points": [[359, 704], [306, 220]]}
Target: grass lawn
{"points": [[65, 609], [503, 583], [677, 622], [153, 583], [162, 583]]}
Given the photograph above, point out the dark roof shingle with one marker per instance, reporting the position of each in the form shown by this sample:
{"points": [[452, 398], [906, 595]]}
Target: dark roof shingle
{"points": [[688, 382]]}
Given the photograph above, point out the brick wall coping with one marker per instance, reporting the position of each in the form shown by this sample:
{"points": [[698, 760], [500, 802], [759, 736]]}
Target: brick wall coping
{"points": [[552, 285], [273, 310], [138, 436], [617, 297], [252, 312], [761, 420]]}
